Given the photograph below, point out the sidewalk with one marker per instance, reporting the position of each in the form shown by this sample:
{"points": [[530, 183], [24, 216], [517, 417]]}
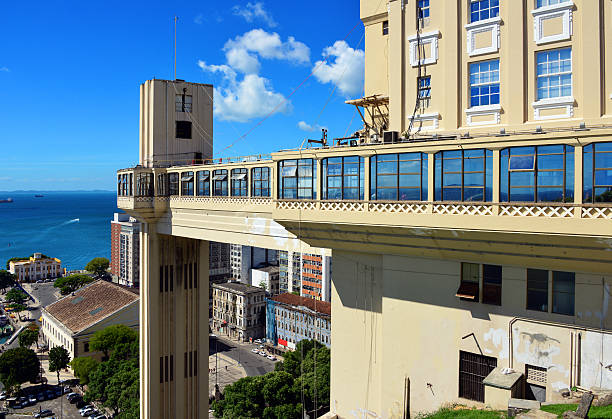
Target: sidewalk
{"points": [[228, 371]]}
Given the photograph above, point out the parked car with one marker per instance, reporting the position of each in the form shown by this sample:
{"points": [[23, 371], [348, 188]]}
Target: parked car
{"points": [[71, 395], [262, 353], [254, 350], [3, 395], [44, 413], [76, 399], [88, 412], [32, 398], [271, 357], [86, 407], [100, 417], [40, 397], [81, 404], [257, 341]]}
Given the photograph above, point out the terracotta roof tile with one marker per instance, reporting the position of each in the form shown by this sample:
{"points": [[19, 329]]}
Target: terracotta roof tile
{"points": [[90, 304], [295, 300]]}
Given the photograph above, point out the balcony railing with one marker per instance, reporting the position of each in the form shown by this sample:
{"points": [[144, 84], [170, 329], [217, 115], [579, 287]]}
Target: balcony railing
{"points": [[271, 185]]}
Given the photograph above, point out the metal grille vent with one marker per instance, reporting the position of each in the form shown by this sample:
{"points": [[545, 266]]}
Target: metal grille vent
{"points": [[536, 375]]}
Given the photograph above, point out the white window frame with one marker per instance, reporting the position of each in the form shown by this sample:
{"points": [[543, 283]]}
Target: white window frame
{"points": [[563, 10], [494, 110], [430, 38], [566, 102], [486, 25]]}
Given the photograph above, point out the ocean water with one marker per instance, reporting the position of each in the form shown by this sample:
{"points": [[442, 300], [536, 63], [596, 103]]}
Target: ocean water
{"points": [[72, 226]]}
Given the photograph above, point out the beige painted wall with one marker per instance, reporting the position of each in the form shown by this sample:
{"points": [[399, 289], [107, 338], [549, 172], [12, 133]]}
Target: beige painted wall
{"points": [[591, 32], [407, 323]]}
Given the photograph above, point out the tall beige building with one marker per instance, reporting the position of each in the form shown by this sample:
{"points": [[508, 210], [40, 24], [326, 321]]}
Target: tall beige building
{"points": [[470, 222]]}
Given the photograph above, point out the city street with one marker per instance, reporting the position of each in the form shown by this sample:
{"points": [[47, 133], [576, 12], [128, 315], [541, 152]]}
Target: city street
{"points": [[252, 363]]}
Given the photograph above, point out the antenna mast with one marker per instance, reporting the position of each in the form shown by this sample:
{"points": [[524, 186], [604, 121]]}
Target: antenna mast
{"points": [[175, 20]]}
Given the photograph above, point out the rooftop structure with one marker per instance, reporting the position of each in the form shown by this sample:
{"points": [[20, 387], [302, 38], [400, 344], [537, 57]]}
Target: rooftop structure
{"points": [[70, 321]]}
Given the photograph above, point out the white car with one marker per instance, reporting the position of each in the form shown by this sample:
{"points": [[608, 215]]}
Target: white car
{"points": [[84, 408], [262, 353], [271, 357], [257, 340], [255, 351]]}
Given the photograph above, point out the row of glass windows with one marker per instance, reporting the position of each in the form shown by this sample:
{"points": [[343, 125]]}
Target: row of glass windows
{"points": [[221, 185], [527, 174], [553, 78]]}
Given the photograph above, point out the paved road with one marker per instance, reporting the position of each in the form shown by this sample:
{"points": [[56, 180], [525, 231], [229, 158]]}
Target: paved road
{"points": [[252, 363]]}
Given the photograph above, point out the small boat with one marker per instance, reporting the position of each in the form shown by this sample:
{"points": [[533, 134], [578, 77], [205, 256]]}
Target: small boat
{"points": [[6, 201], [38, 196]]}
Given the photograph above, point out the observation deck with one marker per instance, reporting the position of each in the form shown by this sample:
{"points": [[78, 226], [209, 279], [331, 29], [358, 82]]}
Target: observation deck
{"points": [[524, 196]]}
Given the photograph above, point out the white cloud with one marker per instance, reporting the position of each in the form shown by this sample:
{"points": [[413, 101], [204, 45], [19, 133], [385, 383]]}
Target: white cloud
{"points": [[241, 60], [347, 69], [253, 11], [242, 52], [252, 97], [199, 19], [4, 69], [304, 126], [242, 100], [243, 94]]}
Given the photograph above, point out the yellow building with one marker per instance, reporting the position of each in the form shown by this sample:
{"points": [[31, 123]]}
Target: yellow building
{"points": [[36, 267], [470, 221]]}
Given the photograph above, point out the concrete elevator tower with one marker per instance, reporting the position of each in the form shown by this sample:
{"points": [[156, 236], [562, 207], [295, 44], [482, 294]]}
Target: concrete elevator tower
{"points": [[175, 129]]}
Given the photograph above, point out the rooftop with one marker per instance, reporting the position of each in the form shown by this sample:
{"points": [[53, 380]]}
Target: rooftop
{"points": [[322, 307], [272, 269], [238, 287], [90, 304]]}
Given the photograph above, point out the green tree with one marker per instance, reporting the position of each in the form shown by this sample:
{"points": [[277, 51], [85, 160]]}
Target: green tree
{"points": [[15, 295], [59, 359], [28, 337], [83, 366], [7, 279], [98, 267], [113, 337], [17, 366], [72, 283]]}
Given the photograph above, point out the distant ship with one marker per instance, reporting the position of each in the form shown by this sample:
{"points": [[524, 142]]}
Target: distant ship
{"points": [[38, 196], [6, 201]]}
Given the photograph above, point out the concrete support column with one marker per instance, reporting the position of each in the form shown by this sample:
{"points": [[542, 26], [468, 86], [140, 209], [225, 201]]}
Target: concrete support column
{"points": [[149, 322], [496, 179], [578, 179], [319, 180], [366, 179], [431, 164]]}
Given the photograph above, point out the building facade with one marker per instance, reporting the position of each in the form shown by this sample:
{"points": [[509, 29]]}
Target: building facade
{"points": [[267, 278], [220, 268], [308, 274], [125, 250], [36, 267], [245, 258], [71, 321], [239, 310], [291, 318], [477, 201]]}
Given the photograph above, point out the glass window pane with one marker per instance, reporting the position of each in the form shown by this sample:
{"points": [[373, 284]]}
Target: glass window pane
{"points": [[522, 194], [473, 194]]}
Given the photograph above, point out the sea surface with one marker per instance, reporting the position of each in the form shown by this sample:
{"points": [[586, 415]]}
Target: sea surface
{"points": [[71, 226]]}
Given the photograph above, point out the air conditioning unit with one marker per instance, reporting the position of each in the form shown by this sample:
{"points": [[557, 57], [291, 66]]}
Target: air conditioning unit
{"points": [[390, 137], [374, 138]]}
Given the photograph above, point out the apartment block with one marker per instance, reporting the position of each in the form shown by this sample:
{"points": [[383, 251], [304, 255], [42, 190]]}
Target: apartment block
{"points": [[245, 258], [239, 310], [291, 318], [125, 250], [308, 274], [267, 277]]}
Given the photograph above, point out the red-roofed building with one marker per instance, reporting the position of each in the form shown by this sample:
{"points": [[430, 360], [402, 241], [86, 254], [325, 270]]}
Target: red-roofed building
{"points": [[291, 318]]}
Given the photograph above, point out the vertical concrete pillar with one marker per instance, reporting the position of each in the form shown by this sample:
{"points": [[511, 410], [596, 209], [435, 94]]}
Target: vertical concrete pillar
{"points": [[174, 326], [366, 178], [397, 72], [149, 324], [578, 179], [431, 165]]}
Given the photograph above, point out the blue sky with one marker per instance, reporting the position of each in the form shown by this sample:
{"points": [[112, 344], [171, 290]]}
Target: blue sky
{"points": [[70, 71]]}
